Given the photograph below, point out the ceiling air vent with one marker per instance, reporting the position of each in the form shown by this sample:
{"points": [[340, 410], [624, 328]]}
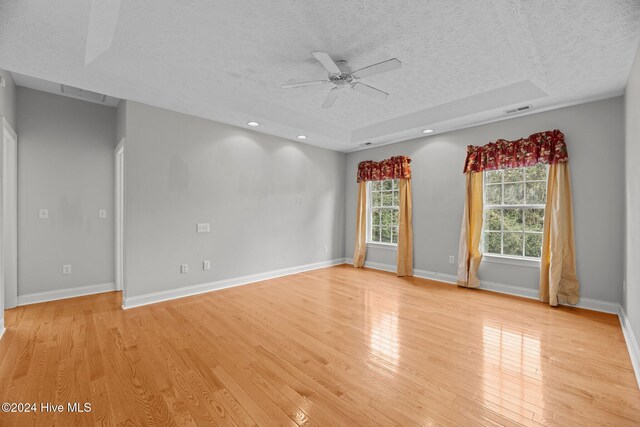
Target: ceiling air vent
{"points": [[519, 109], [83, 94]]}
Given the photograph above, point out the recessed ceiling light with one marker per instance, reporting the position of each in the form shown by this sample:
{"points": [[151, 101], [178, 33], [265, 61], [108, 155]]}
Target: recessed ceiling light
{"points": [[254, 124], [427, 131], [302, 137]]}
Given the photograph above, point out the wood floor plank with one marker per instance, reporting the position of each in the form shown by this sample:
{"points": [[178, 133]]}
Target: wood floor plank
{"points": [[336, 346]]}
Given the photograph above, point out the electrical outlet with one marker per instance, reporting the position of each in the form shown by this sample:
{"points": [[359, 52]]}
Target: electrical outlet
{"points": [[66, 269], [206, 264], [184, 268], [102, 213], [44, 213], [452, 260], [203, 228]]}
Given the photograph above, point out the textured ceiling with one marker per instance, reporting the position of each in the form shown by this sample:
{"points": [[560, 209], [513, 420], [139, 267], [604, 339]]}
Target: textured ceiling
{"points": [[462, 61]]}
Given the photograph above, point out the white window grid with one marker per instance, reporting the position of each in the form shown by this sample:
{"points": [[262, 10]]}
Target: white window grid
{"points": [[395, 188], [525, 206]]}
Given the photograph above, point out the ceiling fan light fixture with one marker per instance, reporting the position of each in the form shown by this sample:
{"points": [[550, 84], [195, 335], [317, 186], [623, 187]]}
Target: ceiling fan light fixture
{"points": [[427, 131], [342, 77], [253, 124], [302, 137]]}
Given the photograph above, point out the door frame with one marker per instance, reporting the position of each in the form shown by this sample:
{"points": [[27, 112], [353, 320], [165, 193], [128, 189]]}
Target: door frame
{"points": [[119, 216], [9, 218]]}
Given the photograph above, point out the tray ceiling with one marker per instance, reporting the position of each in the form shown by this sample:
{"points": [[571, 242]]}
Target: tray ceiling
{"points": [[462, 62]]}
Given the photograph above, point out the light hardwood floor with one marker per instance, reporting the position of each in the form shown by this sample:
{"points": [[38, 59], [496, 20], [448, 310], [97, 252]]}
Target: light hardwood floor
{"points": [[337, 346]]}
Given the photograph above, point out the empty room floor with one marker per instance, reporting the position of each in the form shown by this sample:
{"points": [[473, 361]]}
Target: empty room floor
{"points": [[337, 346]]}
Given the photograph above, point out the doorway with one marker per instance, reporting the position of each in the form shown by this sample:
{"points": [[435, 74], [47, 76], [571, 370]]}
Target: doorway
{"points": [[9, 222], [119, 193]]}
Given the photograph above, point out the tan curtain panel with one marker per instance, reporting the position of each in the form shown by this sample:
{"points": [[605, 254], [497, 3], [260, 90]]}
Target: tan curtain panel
{"points": [[558, 278], [469, 252], [360, 250], [405, 229]]}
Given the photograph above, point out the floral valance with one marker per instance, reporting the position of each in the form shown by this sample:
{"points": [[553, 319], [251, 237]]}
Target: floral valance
{"points": [[392, 168], [542, 147]]}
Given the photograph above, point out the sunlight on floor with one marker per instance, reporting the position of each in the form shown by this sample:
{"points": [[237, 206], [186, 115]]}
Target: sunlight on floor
{"points": [[511, 362]]}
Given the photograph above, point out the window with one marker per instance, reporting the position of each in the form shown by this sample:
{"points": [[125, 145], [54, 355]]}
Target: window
{"points": [[384, 198], [514, 201]]}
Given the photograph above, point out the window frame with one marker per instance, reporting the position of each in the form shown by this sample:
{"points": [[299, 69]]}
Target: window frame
{"points": [[370, 207], [501, 258]]}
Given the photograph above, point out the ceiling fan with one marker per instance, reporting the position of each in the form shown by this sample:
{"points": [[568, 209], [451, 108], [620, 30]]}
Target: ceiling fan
{"points": [[342, 77]]}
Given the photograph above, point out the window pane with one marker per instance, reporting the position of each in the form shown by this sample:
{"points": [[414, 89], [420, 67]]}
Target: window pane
{"points": [[375, 216], [376, 199], [492, 243], [493, 219], [394, 235], [534, 219], [512, 220], [385, 234], [387, 198], [387, 184], [387, 218], [512, 244], [513, 175], [375, 234], [514, 194], [375, 185], [536, 193], [396, 184], [493, 177], [533, 245], [394, 216], [494, 194], [396, 198], [538, 171]]}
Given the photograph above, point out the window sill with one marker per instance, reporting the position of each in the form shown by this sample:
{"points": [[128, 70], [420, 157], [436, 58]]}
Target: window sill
{"points": [[386, 246], [503, 259]]}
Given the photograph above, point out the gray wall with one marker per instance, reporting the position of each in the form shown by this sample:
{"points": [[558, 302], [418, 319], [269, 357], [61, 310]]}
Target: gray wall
{"points": [[594, 134], [65, 164], [8, 99], [121, 121], [632, 181], [272, 203]]}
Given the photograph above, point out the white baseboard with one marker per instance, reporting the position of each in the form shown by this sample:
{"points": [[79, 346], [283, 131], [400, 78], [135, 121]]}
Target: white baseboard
{"points": [[65, 293], [152, 298], [632, 344], [587, 303]]}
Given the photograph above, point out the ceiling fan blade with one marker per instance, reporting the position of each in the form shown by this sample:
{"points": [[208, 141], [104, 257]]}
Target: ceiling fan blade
{"points": [[326, 62], [370, 91], [303, 84], [380, 67], [331, 98]]}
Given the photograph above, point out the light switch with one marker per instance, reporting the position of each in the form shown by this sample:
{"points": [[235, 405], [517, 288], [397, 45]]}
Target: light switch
{"points": [[44, 213], [203, 228], [102, 213]]}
